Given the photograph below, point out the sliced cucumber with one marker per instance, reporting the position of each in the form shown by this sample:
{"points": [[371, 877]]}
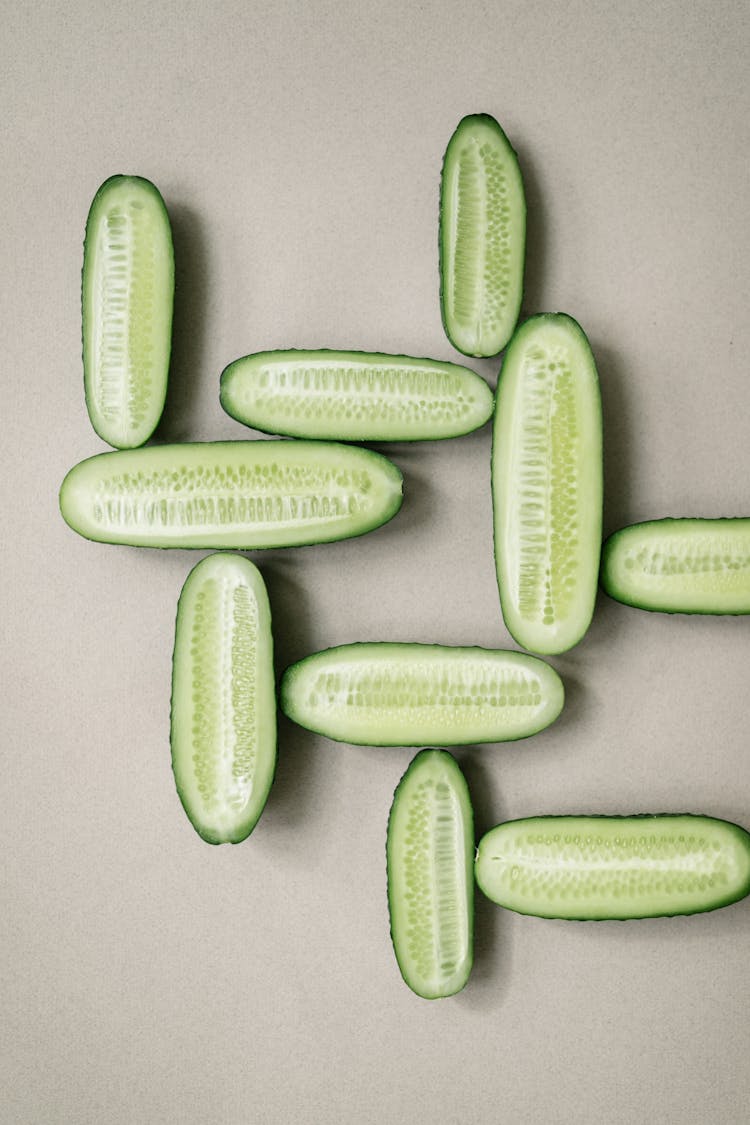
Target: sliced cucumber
{"points": [[384, 694], [127, 296], [680, 565], [597, 867], [247, 494], [430, 858], [547, 484], [354, 396], [482, 237], [223, 729]]}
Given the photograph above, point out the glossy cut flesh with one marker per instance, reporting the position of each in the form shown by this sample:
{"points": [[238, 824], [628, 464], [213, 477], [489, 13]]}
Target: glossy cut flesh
{"points": [[223, 728], [387, 694], [482, 237], [127, 298], [354, 396], [680, 565], [599, 867], [243, 494], [430, 862], [547, 484]]}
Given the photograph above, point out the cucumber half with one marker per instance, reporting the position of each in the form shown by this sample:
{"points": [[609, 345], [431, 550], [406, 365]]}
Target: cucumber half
{"points": [[430, 860], [482, 237], [245, 494], [547, 484], [354, 396], [127, 296], [395, 694], [223, 728], [598, 867], [680, 565]]}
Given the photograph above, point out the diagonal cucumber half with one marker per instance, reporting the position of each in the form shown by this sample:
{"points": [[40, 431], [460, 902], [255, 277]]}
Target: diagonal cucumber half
{"points": [[617, 867], [396, 694], [680, 565], [354, 396], [243, 494], [430, 863], [223, 724], [547, 484], [127, 296]]}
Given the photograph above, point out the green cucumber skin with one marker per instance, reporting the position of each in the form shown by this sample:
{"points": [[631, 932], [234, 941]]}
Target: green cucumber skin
{"points": [[78, 490], [424, 765], [234, 827], [239, 375], [453, 331], [108, 430], [735, 839], [676, 602], [293, 687], [558, 637]]}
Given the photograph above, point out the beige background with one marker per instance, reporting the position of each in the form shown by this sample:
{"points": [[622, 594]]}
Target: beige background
{"points": [[147, 977]]}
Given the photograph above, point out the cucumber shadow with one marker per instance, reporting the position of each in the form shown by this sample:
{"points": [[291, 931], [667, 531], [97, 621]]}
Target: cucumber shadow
{"points": [[619, 443], [535, 268]]}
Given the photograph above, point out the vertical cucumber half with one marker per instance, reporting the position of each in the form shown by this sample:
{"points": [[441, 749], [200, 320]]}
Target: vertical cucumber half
{"points": [[680, 565], [243, 494], [598, 867], [394, 694], [547, 484], [354, 396], [223, 729], [482, 237], [430, 861], [127, 297]]}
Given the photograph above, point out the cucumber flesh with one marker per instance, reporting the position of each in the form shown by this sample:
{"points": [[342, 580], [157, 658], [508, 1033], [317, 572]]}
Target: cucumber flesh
{"points": [[223, 728], [430, 859], [127, 296], [482, 237], [680, 565], [354, 396], [547, 484], [598, 867], [395, 694], [243, 494]]}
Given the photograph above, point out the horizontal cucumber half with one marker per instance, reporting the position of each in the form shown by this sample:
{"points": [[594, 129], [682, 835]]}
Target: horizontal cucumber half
{"points": [[597, 867], [223, 729], [547, 484], [482, 237], [354, 396], [127, 298], [430, 860], [385, 694], [246, 494], [680, 565]]}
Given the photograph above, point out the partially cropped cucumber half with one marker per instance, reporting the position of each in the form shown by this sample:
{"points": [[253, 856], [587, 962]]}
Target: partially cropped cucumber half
{"points": [[482, 237], [127, 297], [680, 565], [547, 484], [245, 494], [223, 728], [354, 396], [430, 862], [598, 867], [389, 694]]}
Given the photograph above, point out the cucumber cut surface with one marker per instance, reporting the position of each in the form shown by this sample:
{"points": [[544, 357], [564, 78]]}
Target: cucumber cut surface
{"points": [[244, 494], [396, 694], [354, 396], [482, 237], [127, 297], [223, 728], [547, 484], [599, 867], [430, 861], [680, 565]]}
